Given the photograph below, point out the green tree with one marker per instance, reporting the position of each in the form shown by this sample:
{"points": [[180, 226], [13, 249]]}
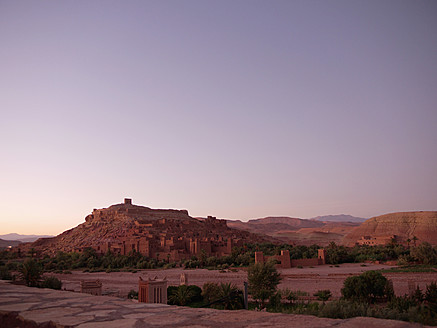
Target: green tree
{"points": [[31, 272], [425, 253], [263, 281], [367, 287]]}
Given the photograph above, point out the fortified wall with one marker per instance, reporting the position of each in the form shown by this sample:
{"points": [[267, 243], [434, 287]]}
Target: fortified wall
{"points": [[285, 262]]}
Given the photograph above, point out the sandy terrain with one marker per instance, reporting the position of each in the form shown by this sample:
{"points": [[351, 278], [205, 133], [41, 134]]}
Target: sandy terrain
{"points": [[305, 279]]}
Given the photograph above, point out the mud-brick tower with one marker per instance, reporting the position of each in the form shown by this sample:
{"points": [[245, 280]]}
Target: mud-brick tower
{"points": [[321, 256], [259, 257]]}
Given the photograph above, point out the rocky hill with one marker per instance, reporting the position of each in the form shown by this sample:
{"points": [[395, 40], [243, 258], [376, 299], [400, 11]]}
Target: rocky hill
{"points": [[297, 231], [401, 226], [339, 218], [271, 225], [158, 233]]}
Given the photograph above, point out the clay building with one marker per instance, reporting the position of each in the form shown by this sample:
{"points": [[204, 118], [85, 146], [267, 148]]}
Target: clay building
{"points": [[379, 240]]}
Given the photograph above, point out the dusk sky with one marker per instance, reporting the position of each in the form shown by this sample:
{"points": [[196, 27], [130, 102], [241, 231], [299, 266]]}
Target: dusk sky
{"points": [[236, 109]]}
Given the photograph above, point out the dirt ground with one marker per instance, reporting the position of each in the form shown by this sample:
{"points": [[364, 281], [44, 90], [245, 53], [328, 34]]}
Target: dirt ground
{"points": [[310, 279]]}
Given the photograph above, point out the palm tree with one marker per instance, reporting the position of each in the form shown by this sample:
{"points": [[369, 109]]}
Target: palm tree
{"points": [[182, 296], [230, 296], [408, 242], [31, 272]]}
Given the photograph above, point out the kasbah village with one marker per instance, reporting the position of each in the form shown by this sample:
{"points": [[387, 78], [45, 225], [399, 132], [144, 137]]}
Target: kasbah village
{"points": [[175, 250]]}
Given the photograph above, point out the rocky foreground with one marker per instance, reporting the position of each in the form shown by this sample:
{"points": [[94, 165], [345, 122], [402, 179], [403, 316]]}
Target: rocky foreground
{"points": [[32, 307]]}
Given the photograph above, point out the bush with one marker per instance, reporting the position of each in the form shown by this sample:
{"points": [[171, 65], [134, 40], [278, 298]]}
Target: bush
{"points": [[210, 292], [323, 295], [132, 294], [196, 292], [343, 309], [425, 253], [431, 297], [52, 283], [367, 287], [5, 274]]}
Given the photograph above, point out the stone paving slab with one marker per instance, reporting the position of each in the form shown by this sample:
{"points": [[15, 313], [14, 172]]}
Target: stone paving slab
{"points": [[22, 306]]}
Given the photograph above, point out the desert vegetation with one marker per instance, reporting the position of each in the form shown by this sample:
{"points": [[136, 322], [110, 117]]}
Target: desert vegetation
{"points": [[423, 254], [369, 294]]}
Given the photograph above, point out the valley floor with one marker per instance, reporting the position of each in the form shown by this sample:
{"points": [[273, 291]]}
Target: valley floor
{"points": [[305, 279]]}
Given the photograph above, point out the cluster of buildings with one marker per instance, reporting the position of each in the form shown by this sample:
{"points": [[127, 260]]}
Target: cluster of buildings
{"points": [[170, 235], [378, 240]]}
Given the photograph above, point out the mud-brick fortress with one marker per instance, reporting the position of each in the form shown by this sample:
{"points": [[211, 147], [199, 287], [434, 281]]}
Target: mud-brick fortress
{"points": [[170, 235]]}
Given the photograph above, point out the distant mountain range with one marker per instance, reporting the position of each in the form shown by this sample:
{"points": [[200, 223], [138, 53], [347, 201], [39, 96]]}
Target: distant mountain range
{"points": [[22, 238], [7, 243], [339, 218]]}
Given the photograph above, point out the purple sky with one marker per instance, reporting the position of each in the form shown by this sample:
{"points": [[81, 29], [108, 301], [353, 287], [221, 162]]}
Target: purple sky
{"points": [[237, 109]]}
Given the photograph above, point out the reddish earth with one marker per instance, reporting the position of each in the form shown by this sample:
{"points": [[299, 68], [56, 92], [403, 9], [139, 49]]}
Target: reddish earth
{"points": [[297, 231], [404, 226], [305, 279]]}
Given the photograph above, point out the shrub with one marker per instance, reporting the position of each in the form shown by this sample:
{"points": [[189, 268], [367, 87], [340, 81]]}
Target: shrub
{"points": [[343, 309], [275, 301], [323, 295], [132, 294], [431, 296], [196, 293], [5, 274], [52, 283], [425, 253]]}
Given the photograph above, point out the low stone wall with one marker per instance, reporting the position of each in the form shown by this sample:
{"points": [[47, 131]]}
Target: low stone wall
{"points": [[304, 262], [27, 307]]}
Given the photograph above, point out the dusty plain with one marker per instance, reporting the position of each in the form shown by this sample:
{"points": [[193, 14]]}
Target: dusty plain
{"points": [[309, 279]]}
